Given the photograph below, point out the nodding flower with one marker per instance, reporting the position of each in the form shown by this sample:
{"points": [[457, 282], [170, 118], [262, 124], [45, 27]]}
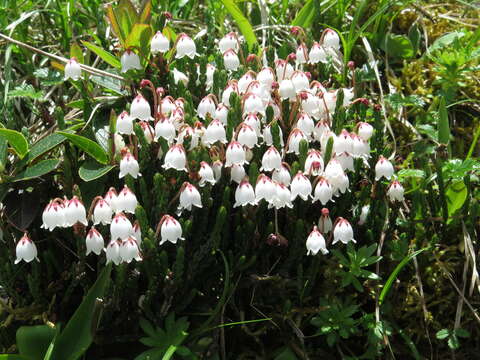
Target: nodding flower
{"points": [[26, 250], [316, 242], [244, 194], [128, 165], [383, 168], [94, 242], [170, 230], [130, 60], [159, 43], [342, 231], [189, 196], [395, 191], [72, 69], [185, 46]]}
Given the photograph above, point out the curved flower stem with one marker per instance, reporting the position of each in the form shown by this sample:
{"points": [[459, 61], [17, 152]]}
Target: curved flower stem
{"points": [[86, 68]]}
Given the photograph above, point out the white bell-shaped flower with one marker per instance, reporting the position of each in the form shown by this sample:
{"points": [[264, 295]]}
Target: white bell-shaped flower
{"points": [[75, 212], [53, 216], [266, 77], [237, 173], [165, 129], [365, 131], [244, 194], [323, 191], [185, 47], [343, 143], [215, 132], [253, 104], [221, 114], [189, 196], [300, 81], [231, 60], [293, 143], [300, 186], [283, 69], [265, 189], [148, 131], [94, 242], [170, 230], [229, 41], [206, 106], [317, 54], [175, 158], [282, 197], [124, 124], [305, 123], [314, 163], [102, 212], [311, 104], [111, 199], [254, 121], [129, 165], [247, 136], [383, 168], [112, 252], [206, 174], [232, 87], [72, 70], [129, 250], [179, 76], [126, 201], [395, 191], [320, 129], [348, 95], [25, 250], [301, 54], [121, 227], [334, 174], [331, 39], [130, 60], [159, 43], [286, 89], [316, 243], [140, 109], [271, 160], [361, 148], [343, 231], [282, 176], [235, 154], [346, 160], [244, 82]]}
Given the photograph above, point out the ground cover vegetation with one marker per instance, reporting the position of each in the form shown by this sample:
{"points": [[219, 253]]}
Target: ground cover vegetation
{"points": [[239, 180]]}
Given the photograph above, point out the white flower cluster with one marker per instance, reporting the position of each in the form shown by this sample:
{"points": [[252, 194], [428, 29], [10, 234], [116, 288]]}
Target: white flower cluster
{"points": [[112, 210], [319, 180]]}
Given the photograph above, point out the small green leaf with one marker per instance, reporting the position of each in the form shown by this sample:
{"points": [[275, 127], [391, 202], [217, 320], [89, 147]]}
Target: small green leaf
{"points": [[462, 333], [242, 22], [44, 145], [33, 341], [104, 54], [26, 91], [39, 169], [87, 145], [398, 46], [16, 140], [453, 342], [443, 126], [456, 194], [91, 170]]}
